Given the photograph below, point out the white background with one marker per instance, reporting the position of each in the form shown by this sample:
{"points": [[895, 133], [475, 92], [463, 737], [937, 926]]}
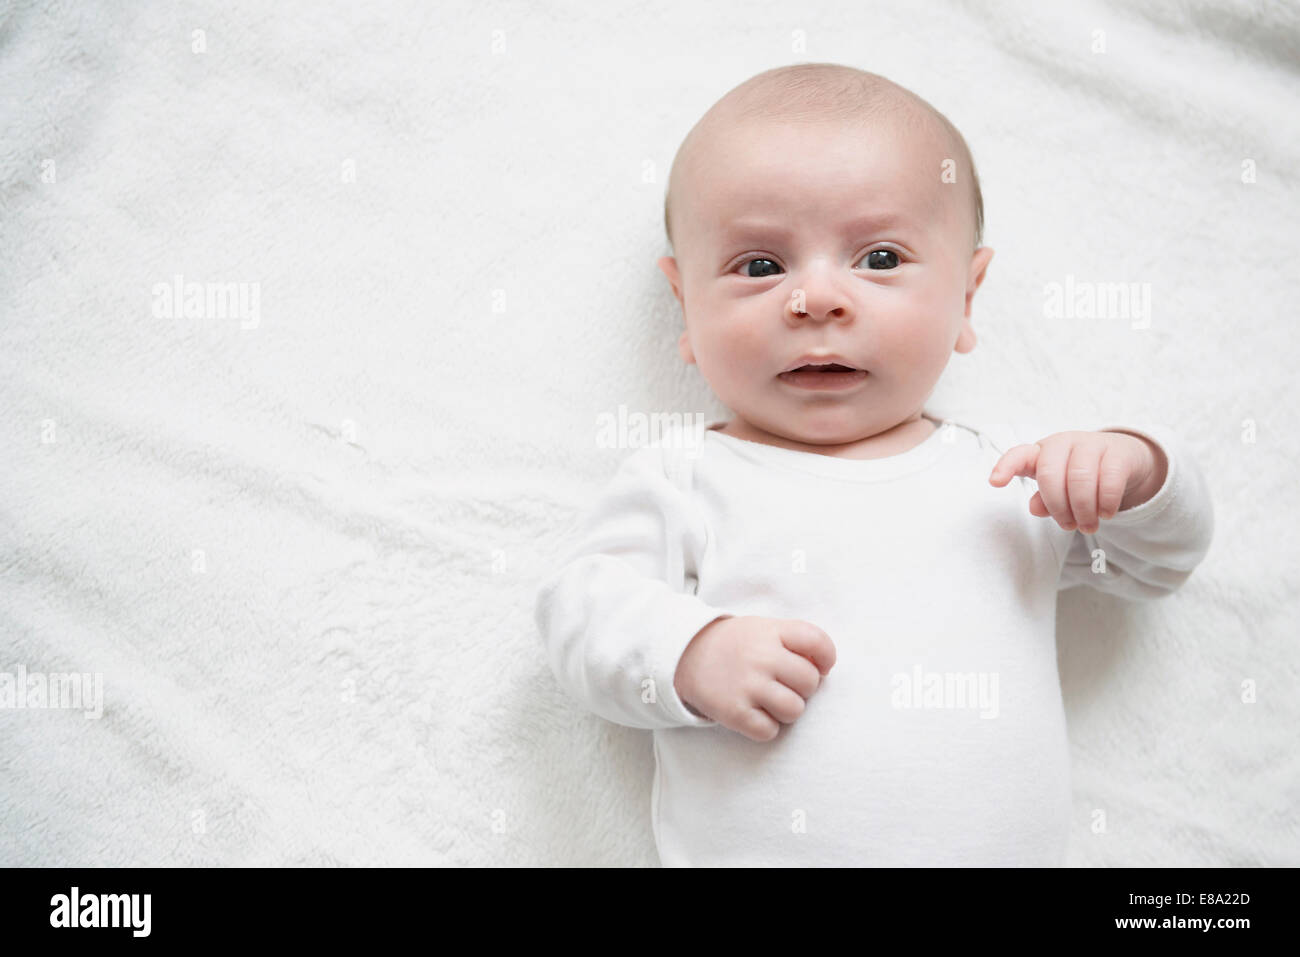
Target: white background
{"points": [[378, 474]]}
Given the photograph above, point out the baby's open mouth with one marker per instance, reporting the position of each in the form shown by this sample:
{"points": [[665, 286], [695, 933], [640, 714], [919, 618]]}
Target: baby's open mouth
{"points": [[829, 367], [823, 376]]}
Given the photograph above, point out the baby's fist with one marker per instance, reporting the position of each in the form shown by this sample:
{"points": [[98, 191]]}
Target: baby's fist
{"points": [[752, 674]]}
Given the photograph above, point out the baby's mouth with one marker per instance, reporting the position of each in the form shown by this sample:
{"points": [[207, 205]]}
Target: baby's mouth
{"points": [[827, 367], [820, 376]]}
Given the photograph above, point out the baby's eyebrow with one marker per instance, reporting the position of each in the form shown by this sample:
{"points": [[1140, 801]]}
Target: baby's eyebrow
{"points": [[858, 225]]}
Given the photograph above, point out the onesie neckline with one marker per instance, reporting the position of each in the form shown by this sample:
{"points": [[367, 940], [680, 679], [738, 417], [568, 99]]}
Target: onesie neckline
{"points": [[914, 459]]}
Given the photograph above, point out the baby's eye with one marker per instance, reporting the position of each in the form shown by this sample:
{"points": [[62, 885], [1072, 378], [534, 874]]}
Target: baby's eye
{"points": [[768, 269], [882, 259]]}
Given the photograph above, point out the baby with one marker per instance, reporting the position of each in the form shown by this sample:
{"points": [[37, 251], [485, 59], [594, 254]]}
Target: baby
{"points": [[835, 612]]}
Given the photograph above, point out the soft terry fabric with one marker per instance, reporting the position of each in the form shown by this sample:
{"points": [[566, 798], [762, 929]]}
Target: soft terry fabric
{"points": [[939, 736]]}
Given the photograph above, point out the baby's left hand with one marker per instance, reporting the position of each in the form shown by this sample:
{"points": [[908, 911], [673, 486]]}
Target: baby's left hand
{"points": [[1085, 476]]}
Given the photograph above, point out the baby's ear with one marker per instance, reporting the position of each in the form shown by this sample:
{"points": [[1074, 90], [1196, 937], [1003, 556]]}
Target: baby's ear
{"points": [[979, 264], [684, 348], [669, 266]]}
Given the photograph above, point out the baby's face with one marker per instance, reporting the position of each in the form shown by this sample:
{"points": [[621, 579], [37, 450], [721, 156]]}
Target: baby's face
{"points": [[813, 240]]}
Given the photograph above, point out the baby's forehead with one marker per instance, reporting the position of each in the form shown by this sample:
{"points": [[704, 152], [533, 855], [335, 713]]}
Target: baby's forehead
{"points": [[744, 165], [914, 133], [770, 164]]}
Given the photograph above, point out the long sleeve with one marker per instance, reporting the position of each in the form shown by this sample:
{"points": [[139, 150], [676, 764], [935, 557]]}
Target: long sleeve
{"points": [[1150, 550], [616, 616]]}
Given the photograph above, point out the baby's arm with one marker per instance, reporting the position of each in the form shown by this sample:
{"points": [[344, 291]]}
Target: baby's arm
{"points": [[612, 625]]}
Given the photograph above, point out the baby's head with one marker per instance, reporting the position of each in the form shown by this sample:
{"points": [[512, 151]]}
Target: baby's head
{"points": [[822, 210]]}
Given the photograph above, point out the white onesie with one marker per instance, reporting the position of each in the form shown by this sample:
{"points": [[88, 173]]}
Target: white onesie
{"points": [[939, 737]]}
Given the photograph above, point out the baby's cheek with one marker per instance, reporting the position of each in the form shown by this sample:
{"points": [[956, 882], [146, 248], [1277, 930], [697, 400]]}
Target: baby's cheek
{"points": [[739, 344], [913, 339]]}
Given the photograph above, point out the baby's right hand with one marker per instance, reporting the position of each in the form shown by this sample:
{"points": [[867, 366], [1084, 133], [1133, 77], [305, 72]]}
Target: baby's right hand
{"points": [[748, 673]]}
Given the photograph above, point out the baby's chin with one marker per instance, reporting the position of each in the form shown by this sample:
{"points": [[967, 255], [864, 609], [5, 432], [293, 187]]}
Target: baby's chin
{"points": [[824, 427]]}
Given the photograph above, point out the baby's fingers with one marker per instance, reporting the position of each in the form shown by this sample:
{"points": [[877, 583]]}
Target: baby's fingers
{"points": [[1081, 485], [1019, 460], [1036, 506]]}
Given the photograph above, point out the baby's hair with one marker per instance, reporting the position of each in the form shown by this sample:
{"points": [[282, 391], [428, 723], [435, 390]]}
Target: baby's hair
{"points": [[811, 92]]}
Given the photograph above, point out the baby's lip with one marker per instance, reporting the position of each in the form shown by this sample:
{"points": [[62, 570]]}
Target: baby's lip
{"points": [[829, 360]]}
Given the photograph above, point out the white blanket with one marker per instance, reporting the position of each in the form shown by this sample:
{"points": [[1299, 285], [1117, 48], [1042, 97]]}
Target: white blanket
{"points": [[294, 517]]}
